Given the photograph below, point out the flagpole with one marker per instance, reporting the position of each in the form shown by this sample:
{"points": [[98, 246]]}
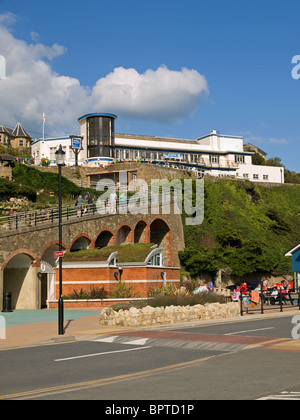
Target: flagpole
{"points": [[43, 126]]}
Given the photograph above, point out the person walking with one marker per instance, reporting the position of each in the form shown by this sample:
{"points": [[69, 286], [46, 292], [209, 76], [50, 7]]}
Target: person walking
{"points": [[79, 205]]}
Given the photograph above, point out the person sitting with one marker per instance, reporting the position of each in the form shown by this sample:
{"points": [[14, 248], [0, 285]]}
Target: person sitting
{"points": [[274, 295]]}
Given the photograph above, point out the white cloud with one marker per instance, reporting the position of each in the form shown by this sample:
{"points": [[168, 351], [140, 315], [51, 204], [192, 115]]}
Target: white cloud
{"points": [[274, 140], [32, 87], [161, 95]]}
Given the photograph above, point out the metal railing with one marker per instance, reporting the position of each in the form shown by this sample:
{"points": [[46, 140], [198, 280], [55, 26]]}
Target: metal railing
{"points": [[269, 301], [103, 208]]}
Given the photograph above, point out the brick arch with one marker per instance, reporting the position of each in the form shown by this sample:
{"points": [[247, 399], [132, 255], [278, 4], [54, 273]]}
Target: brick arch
{"points": [[109, 241], [162, 237], [141, 235], [50, 244], [124, 234], [82, 235], [35, 259]]}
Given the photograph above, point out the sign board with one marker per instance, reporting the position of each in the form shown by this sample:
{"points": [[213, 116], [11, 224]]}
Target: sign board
{"points": [[76, 143], [58, 254], [173, 156]]}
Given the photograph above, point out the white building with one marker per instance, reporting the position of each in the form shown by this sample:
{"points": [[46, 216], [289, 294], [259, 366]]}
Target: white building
{"points": [[214, 154], [44, 149]]}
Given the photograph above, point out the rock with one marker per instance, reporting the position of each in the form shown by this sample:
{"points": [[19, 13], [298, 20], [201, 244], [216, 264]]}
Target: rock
{"points": [[169, 315]]}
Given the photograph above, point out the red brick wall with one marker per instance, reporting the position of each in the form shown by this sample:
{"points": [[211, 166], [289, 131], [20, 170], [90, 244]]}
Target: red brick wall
{"points": [[86, 278]]}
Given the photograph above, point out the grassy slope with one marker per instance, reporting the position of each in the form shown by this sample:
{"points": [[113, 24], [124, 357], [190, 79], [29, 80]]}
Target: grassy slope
{"points": [[247, 227]]}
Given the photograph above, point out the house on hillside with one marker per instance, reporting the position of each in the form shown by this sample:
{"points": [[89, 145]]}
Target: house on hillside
{"points": [[18, 138]]}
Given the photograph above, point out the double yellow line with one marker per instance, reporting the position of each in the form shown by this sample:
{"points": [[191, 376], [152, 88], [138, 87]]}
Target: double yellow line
{"points": [[39, 393]]}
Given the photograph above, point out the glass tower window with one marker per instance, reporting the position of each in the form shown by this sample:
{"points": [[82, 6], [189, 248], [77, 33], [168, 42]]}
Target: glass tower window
{"points": [[101, 137]]}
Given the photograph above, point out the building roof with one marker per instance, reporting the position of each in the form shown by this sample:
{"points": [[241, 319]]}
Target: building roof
{"points": [[253, 147], [19, 131], [292, 251], [97, 115], [6, 130], [7, 158]]}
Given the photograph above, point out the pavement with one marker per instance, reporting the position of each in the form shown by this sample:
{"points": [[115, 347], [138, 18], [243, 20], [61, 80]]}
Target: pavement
{"points": [[33, 327]]}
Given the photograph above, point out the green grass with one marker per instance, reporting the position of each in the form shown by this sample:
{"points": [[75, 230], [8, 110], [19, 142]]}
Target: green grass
{"points": [[126, 253], [247, 227]]}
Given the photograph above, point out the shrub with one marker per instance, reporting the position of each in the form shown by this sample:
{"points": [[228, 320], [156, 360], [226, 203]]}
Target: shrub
{"points": [[93, 293], [122, 291], [173, 300]]}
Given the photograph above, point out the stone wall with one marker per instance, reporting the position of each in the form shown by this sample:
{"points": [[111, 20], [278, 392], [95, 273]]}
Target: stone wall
{"points": [[150, 316]]}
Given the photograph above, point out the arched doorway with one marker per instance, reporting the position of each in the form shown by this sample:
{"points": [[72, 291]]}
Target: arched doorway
{"points": [[47, 284], [47, 275], [21, 279]]}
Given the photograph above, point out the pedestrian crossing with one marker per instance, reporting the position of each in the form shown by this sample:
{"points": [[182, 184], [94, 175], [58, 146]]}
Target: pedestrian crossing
{"points": [[282, 396], [171, 342]]}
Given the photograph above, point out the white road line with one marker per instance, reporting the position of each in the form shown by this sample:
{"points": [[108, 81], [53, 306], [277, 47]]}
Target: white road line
{"points": [[283, 396], [259, 329], [138, 342], [101, 354], [110, 339]]}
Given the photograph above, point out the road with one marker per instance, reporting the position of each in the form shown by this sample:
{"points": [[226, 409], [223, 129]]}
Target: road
{"points": [[249, 359]]}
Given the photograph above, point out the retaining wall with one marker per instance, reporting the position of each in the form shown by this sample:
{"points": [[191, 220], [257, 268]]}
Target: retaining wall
{"points": [[168, 315]]}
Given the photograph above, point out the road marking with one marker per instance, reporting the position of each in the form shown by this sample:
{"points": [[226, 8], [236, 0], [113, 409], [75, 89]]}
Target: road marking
{"points": [[246, 331], [109, 339], [139, 342], [100, 382], [101, 354], [283, 396]]}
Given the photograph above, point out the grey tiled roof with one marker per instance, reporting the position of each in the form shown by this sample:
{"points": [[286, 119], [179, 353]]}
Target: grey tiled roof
{"points": [[5, 130], [19, 131]]}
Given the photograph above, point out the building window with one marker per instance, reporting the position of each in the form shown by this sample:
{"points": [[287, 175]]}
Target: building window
{"points": [[214, 159], [246, 176], [255, 176], [239, 159], [155, 260], [101, 137], [21, 143], [265, 177]]}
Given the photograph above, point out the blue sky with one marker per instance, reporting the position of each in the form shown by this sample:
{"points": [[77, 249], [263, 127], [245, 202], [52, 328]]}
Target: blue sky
{"points": [[166, 68]]}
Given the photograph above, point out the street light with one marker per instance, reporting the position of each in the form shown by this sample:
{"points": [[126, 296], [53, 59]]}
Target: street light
{"points": [[60, 162]]}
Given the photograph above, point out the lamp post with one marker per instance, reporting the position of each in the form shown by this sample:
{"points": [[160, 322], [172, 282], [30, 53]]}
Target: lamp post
{"points": [[60, 162]]}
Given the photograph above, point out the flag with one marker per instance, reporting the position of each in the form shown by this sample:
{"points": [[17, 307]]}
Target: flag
{"points": [[44, 117]]}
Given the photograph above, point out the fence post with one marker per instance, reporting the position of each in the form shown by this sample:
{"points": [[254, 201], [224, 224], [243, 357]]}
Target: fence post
{"points": [[241, 303], [262, 299], [280, 300], [16, 221]]}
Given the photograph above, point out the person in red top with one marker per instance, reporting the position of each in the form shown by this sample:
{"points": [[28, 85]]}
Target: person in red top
{"points": [[244, 289]]}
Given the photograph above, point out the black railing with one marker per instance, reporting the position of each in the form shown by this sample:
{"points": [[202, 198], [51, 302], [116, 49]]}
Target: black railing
{"points": [[103, 208], [269, 299]]}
